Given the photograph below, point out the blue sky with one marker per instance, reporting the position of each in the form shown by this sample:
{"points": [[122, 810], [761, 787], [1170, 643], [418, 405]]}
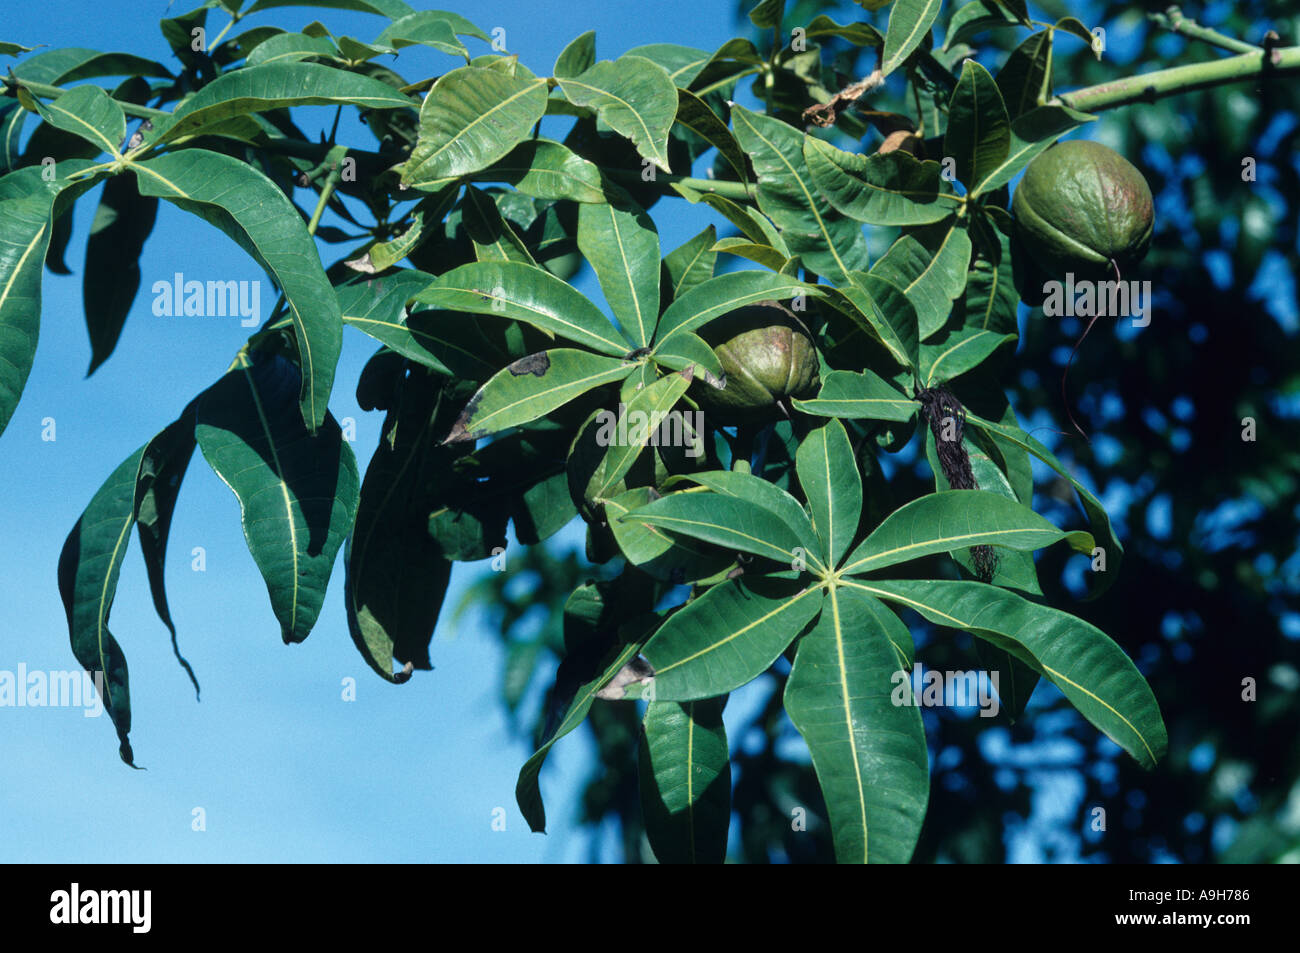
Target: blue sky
{"points": [[283, 768]]}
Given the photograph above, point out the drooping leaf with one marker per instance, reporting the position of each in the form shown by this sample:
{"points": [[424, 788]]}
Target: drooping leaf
{"points": [[111, 279], [297, 491], [163, 463], [828, 242], [634, 96], [1089, 669], [88, 571], [247, 206], [694, 114], [726, 637], [396, 573], [868, 749], [685, 780]]}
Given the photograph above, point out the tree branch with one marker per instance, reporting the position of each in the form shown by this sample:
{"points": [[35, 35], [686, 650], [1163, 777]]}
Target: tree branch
{"points": [[1148, 87]]}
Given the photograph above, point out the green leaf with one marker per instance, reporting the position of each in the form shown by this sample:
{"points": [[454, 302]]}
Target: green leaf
{"points": [[991, 301], [297, 491], [767, 15], [622, 246], [868, 750], [163, 463], [532, 387], [695, 114], [683, 63], [634, 96], [684, 769], [576, 58], [1075, 27], [427, 217], [430, 28], [527, 790], [1098, 519], [974, 18], [472, 117], [14, 49], [274, 86], [86, 111], [954, 519], [889, 188], [753, 224], [1089, 669], [829, 243], [882, 309], [542, 169], [859, 34], [688, 353], [730, 521], [494, 238], [688, 265], [958, 352], [1031, 134], [868, 396], [251, 209], [726, 638], [23, 240], [1026, 77], [89, 565], [909, 25], [123, 221], [291, 47], [70, 64], [931, 274], [828, 473], [767, 495], [525, 293], [663, 555], [396, 573], [28, 204], [979, 131], [393, 9], [636, 426], [725, 293]]}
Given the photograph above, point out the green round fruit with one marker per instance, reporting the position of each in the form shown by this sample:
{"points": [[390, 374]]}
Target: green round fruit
{"points": [[1080, 206], [767, 355]]}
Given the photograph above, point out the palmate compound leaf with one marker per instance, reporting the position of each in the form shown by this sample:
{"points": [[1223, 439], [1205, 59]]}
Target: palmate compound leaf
{"points": [[251, 209], [1089, 669], [396, 573], [297, 491], [684, 770], [953, 519], [868, 750]]}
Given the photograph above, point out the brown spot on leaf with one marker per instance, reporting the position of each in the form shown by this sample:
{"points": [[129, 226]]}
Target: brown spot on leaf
{"points": [[536, 364], [459, 431]]}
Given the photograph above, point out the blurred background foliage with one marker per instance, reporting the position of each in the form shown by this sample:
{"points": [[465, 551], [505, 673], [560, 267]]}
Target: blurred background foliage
{"points": [[1207, 597]]}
